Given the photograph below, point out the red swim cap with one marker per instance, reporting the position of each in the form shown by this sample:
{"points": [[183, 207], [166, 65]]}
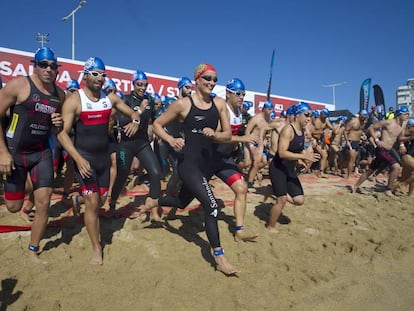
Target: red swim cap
{"points": [[202, 68]]}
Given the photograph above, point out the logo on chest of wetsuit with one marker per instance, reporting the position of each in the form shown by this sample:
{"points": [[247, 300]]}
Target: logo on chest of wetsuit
{"points": [[199, 118]]}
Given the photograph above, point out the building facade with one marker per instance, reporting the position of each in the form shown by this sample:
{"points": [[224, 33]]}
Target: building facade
{"points": [[405, 96]]}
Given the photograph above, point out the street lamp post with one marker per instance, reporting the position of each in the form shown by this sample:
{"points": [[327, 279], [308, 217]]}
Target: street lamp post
{"points": [[333, 86], [64, 19], [42, 38]]}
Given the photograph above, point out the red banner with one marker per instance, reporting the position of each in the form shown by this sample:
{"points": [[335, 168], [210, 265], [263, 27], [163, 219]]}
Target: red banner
{"points": [[16, 63]]}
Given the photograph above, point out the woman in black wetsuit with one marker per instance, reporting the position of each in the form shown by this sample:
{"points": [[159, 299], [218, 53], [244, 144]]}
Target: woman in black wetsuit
{"points": [[285, 182], [199, 114]]}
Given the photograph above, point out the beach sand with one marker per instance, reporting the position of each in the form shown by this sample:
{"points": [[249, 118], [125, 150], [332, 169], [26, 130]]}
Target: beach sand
{"points": [[339, 251]]}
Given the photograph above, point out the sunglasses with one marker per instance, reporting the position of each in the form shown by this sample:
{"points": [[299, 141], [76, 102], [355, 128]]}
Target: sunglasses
{"points": [[308, 114], [209, 78], [44, 65], [238, 93], [141, 84], [97, 74]]}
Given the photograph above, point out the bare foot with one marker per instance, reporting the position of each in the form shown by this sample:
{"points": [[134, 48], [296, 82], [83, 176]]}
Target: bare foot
{"points": [[389, 193], [272, 230], [155, 215], [241, 235], [34, 257], [96, 258], [149, 205], [224, 266]]}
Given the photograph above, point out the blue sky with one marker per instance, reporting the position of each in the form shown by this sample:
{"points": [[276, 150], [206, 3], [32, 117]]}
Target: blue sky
{"points": [[317, 42]]}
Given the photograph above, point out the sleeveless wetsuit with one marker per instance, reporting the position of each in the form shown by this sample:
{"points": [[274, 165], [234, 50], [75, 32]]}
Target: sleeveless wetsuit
{"points": [[194, 167], [92, 142], [27, 139], [138, 145], [283, 173]]}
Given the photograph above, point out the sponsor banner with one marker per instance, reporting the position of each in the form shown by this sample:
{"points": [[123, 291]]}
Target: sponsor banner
{"points": [[379, 101], [16, 63], [364, 94]]}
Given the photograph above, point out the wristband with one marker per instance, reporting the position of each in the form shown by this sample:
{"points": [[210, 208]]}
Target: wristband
{"points": [[135, 121], [376, 139]]}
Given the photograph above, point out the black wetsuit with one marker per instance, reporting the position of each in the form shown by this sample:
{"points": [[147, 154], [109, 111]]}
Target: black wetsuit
{"points": [[27, 139], [175, 129], [283, 173], [138, 145], [195, 166]]}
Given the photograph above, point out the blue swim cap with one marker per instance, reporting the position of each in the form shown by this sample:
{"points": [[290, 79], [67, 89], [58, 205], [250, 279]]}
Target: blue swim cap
{"points": [[410, 122], [246, 105], [156, 96], [315, 113], [341, 118], [363, 112], [139, 75], [401, 110], [290, 111], [108, 83], [283, 114], [45, 53], [93, 63], [183, 81], [235, 85], [325, 112], [212, 95], [273, 115], [301, 107], [72, 84], [120, 94], [268, 105]]}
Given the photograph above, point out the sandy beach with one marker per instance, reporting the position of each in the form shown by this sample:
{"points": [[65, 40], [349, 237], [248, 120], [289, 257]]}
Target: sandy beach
{"points": [[339, 251]]}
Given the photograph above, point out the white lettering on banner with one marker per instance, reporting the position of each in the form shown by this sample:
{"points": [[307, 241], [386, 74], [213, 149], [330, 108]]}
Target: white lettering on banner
{"points": [[150, 88], [172, 91], [5, 69], [126, 86], [19, 70], [278, 107], [65, 76]]}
